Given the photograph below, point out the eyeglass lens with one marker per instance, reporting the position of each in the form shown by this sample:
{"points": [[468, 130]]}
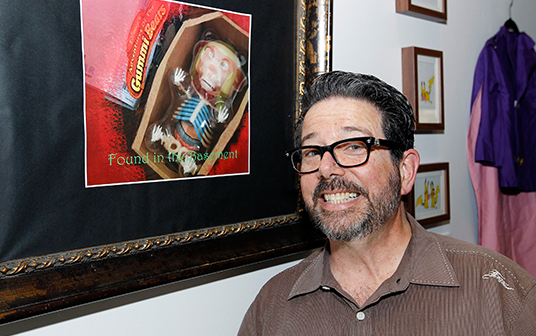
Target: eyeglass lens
{"points": [[348, 153]]}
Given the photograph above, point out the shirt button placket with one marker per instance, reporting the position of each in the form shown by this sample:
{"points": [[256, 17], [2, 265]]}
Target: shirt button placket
{"points": [[360, 316]]}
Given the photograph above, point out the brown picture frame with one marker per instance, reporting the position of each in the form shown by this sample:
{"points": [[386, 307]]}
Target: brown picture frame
{"points": [[413, 8], [429, 200], [420, 84], [45, 283]]}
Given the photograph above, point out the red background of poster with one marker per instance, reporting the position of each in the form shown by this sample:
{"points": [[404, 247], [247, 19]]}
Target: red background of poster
{"points": [[106, 28]]}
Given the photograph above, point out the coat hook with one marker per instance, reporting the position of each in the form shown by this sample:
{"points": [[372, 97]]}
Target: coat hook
{"points": [[510, 9]]}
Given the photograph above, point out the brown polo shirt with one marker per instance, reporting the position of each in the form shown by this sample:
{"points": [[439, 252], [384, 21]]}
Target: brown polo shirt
{"points": [[442, 286]]}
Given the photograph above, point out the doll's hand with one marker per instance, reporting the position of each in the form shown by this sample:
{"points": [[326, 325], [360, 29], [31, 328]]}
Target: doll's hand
{"points": [[222, 114], [178, 76], [157, 134], [188, 166]]}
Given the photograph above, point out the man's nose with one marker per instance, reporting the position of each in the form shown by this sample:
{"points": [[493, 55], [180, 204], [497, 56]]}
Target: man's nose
{"points": [[329, 167]]}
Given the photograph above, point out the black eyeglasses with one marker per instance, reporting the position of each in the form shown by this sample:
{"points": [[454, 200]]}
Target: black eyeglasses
{"points": [[347, 153]]}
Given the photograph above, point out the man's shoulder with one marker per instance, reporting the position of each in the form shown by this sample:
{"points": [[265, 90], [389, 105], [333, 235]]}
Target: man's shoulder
{"points": [[272, 305], [485, 262], [463, 251]]}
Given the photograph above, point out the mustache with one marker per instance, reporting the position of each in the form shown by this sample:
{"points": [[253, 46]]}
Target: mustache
{"points": [[337, 183]]}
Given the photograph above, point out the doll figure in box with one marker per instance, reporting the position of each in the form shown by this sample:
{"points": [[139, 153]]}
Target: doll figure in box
{"points": [[201, 104]]}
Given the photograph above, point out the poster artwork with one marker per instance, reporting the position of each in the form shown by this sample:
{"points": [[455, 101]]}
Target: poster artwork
{"points": [[428, 89], [167, 91], [429, 188]]}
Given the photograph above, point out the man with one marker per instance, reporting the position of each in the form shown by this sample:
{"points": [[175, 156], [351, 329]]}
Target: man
{"points": [[381, 273]]}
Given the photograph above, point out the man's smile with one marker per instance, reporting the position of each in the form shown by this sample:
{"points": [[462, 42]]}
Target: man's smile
{"points": [[337, 191], [340, 198]]}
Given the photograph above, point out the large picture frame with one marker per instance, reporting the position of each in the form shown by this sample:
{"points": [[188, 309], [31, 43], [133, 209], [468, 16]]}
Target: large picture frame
{"points": [[429, 200], [422, 84], [54, 277], [432, 10]]}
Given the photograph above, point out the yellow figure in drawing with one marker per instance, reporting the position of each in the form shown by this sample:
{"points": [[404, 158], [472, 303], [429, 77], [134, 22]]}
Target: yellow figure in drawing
{"points": [[434, 194], [430, 195], [425, 95]]}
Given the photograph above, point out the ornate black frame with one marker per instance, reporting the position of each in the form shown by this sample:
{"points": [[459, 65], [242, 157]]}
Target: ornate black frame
{"points": [[37, 285]]}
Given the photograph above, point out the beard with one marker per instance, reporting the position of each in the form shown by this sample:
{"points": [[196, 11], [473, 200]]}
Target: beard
{"points": [[353, 224]]}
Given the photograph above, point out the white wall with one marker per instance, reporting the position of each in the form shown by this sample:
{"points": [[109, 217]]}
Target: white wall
{"points": [[368, 37]]}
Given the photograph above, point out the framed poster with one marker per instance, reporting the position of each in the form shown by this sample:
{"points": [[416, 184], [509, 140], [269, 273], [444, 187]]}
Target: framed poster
{"points": [[85, 209], [186, 76], [429, 201], [432, 10], [422, 76]]}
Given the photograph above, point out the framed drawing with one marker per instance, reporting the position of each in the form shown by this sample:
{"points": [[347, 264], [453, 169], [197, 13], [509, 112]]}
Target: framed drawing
{"points": [[100, 201], [429, 201], [422, 84], [433, 10]]}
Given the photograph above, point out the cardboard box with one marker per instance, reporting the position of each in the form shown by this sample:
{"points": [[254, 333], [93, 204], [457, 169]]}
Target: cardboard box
{"points": [[179, 55]]}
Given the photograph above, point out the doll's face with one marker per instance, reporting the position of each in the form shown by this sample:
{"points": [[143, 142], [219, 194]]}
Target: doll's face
{"points": [[214, 68]]}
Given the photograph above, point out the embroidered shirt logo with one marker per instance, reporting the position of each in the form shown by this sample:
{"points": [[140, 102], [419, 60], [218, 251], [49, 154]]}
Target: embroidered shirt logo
{"points": [[497, 275]]}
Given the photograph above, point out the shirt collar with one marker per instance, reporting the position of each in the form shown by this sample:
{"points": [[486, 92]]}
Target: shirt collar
{"points": [[424, 262], [428, 260]]}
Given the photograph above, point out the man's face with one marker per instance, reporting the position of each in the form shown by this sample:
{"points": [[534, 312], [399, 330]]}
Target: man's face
{"points": [[348, 203], [213, 69]]}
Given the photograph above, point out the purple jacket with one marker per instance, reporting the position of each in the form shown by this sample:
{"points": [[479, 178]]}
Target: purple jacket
{"points": [[506, 72]]}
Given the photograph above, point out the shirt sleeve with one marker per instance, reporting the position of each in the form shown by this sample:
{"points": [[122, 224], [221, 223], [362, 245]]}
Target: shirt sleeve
{"points": [[525, 324], [249, 323]]}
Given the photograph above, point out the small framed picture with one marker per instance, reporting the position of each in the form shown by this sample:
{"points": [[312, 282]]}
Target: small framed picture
{"points": [[422, 84], [429, 201], [433, 10]]}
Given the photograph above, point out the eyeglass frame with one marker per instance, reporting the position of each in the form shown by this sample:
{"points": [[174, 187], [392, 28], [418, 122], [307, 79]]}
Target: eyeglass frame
{"points": [[368, 141]]}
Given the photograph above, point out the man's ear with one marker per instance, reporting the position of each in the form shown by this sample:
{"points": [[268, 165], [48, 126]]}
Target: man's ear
{"points": [[408, 170]]}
